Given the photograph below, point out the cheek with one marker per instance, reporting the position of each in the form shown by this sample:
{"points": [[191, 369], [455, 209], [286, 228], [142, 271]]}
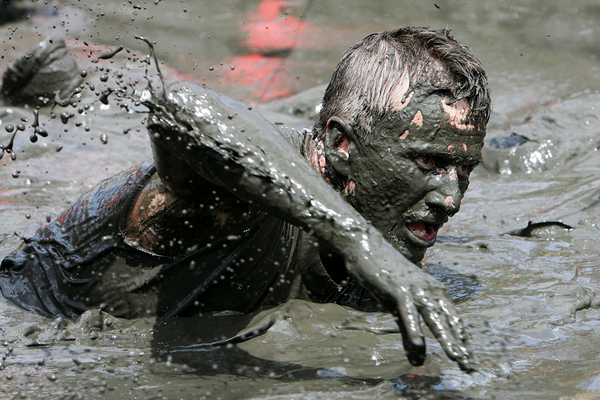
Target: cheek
{"points": [[385, 181], [396, 186], [407, 180]]}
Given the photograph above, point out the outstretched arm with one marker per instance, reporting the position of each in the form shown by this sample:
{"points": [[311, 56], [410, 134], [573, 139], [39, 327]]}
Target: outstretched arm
{"points": [[224, 142]]}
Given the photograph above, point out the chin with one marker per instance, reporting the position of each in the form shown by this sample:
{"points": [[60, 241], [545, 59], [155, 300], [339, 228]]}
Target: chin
{"points": [[412, 252], [416, 256]]}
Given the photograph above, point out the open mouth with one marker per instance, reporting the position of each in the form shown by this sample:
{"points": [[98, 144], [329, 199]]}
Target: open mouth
{"points": [[423, 231]]}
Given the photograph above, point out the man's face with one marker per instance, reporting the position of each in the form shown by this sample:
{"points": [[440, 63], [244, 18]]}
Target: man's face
{"points": [[411, 174]]}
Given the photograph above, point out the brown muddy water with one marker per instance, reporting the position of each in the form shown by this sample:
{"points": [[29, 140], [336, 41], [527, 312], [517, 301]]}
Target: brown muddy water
{"points": [[529, 301]]}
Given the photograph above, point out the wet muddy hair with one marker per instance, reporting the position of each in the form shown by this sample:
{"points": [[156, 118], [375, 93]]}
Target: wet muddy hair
{"points": [[362, 86]]}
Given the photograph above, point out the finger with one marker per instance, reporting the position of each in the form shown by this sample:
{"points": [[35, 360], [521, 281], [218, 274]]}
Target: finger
{"points": [[412, 336], [447, 327]]}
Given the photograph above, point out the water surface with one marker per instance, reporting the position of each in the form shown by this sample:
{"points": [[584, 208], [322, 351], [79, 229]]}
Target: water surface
{"points": [[526, 299]]}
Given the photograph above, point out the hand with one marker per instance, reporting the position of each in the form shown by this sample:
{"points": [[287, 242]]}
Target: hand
{"points": [[407, 292], [429, 299]]}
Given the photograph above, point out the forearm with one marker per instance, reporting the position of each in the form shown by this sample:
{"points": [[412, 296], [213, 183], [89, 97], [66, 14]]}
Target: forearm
{"points": [[221, 141]]}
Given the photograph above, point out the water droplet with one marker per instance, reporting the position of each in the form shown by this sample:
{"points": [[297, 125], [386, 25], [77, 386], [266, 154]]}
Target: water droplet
{"points": [[104, 138], [41, 131], [9, 128], [64, 117]]}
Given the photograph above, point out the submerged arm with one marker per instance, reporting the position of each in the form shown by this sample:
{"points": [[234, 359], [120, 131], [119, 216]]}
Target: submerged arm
{"points": [[222, 141]]}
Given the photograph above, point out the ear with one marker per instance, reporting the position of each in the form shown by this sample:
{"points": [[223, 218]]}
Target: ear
{"points": [[340, 144]]}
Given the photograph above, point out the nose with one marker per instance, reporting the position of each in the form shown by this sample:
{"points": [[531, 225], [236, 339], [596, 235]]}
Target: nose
{"points": [[445, 191]]}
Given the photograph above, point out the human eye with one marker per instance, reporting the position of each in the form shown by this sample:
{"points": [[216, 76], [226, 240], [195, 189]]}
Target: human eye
{"points": [[425, 162]]}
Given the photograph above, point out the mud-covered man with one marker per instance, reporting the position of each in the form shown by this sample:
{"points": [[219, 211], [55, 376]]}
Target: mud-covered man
{"points": [[229, 215]]}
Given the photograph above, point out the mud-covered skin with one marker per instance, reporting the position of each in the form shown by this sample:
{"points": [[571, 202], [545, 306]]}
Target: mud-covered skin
{"points": [[410, 175], [236, 149]]}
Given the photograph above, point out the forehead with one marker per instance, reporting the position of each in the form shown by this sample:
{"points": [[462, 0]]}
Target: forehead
{"points": [[423, 122]]}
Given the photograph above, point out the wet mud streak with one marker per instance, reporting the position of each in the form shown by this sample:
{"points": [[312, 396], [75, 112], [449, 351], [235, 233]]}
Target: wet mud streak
{"points": [[104, 97], [531, 226], [248, 333], [158, 71], [59, 101], [110, 54]]}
